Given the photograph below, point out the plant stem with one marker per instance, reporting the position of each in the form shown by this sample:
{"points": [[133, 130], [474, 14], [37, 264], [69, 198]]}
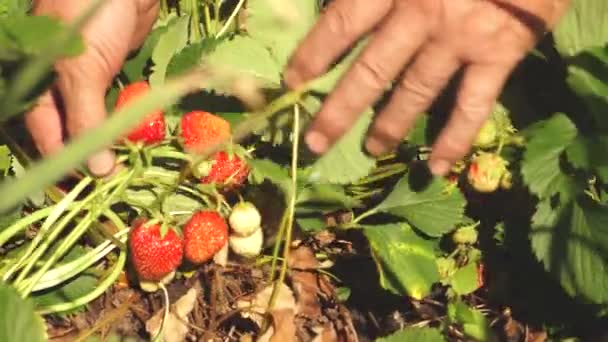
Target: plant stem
{"points": [[195, 23], [99, 290], [164, 9], [291, 208], [69, 270], [22, 224], [216, 13], [158, 336], [230, 19], [47, 226], [77, 232], [366, 214], [207, 20]]}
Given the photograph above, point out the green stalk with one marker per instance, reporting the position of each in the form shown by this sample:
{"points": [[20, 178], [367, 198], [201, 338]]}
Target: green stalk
{"points": [[207, 20], [69, 270], [230, 19], [76, 233], [58, 210], [291, 208], [195, 22], [22, 224], [99, 290], [216, 13], [277, 246], [60, 226]]}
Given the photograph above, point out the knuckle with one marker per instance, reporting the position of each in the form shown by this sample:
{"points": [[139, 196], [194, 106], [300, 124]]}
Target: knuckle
{"points": [[418, 88], [472, 111], [371, 73]]}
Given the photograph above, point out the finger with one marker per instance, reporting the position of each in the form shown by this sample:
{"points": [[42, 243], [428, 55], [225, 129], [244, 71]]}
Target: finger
{"points": [[83, 95], [476, 98], [342, 24], [381, 61], [147, 14], [431, 70], [44, 124]]}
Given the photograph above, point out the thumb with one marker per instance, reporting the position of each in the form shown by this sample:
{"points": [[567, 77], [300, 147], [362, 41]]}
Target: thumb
{"points": [[83, 90]]}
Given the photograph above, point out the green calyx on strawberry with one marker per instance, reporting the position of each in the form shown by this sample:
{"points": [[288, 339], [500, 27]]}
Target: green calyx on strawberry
{"points": [[152, 129], [154, 256], [204, 235], [244, 219], [486, 172]]}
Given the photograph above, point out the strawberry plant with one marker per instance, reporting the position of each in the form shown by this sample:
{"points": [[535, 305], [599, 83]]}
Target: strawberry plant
{"points": [[212, 177]]}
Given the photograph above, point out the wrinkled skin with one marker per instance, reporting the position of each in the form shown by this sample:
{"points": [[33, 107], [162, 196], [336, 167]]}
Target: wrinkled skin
{"points": [[420, 44], [76, 102]]}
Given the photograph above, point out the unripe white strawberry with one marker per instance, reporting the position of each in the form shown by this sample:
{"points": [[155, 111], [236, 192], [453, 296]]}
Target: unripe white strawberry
{"points": [[487, 135], [248, 246], [244, 219]]}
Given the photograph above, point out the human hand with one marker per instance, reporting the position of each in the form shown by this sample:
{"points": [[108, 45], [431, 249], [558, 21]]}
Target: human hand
{"points": [[427, 41], [78, 94]]}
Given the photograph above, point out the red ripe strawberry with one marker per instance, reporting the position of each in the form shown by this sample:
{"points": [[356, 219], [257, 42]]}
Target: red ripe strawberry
{"points": [[152, 129], [154, 257], [201, 130], [227, 171], [204, 235]]}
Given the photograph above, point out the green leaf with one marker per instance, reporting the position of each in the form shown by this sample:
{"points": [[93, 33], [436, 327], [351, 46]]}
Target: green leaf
{"points": [[589, 153], [473, 322], [326, 83], [418, 134], [170, 42], [12, 8], [575, 249], [279, 26], [18, 321], [406, 261], [583, 26], [311, 224], [464, 280], [265, 169], [588, 78], [414, 334], [432, 210], [244, 55], [324, 198], [190, 56], [31, 35], [135, 67], [5, 159], [541, 168], [345, 162]]}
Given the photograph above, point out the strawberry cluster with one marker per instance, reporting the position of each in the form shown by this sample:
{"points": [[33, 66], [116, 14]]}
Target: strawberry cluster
{"points": [[156, 248]]}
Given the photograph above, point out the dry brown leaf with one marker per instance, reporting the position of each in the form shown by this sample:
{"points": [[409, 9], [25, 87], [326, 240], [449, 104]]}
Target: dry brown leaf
{"points": [[255, 307], [305, 281], [175, 328]]}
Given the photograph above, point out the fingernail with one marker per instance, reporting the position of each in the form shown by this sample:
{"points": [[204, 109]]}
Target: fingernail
{"points": [[317, 142], [439, 167], [374, 146], [101, 163], [292, 78]]}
